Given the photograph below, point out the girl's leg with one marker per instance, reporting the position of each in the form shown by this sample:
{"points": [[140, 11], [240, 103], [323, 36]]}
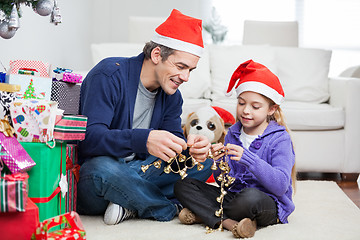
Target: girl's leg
{"points": [[254, 204], [200, 198]]}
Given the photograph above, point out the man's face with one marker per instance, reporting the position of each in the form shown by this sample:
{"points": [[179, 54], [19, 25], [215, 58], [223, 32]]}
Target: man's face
{"points": [[172, 72]]}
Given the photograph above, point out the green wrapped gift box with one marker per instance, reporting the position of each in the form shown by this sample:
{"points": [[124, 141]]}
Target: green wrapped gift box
{"points": [[44, 178]]}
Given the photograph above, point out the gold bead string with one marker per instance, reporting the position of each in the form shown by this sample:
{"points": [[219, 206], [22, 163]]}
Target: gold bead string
{"points": [[179, 158], [225, 181]]}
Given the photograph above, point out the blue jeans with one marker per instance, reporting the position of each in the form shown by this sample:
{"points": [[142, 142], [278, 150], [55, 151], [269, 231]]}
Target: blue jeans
{"points": [[106, 179]]}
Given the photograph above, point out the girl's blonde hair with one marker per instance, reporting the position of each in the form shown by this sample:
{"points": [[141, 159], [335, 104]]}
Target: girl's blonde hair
{"points": [[278, 117]]}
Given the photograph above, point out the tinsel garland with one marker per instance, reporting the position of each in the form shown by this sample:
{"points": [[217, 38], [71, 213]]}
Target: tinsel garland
{"points": [[6, 5]]}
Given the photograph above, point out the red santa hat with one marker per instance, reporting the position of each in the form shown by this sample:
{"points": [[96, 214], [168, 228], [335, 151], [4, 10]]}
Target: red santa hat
{"points": [[225, 115], [255, 77], [180, 32]]}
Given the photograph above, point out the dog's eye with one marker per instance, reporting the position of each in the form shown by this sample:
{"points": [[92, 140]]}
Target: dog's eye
{"points": [[211, 126], [194, 122]]}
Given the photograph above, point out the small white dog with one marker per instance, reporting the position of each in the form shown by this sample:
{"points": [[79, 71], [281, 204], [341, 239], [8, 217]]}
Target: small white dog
{"points": [[207, 122]]}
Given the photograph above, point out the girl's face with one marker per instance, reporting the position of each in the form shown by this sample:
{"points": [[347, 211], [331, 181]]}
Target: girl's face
{"points": [[252, 111]]}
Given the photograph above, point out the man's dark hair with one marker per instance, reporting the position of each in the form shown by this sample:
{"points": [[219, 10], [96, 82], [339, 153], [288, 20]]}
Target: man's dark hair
{"points": [[165, 52]]}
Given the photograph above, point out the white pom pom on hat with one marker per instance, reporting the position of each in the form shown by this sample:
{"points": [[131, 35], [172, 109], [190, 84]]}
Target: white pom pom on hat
{"points": [[255, 77], [180, 32]]}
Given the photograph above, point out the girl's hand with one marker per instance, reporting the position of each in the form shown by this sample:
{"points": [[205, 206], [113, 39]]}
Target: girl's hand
{"points": [[235, 150], [217, 150]]}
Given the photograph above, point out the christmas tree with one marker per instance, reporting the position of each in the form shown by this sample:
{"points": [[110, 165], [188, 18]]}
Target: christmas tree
{"points": [[29, 93]]}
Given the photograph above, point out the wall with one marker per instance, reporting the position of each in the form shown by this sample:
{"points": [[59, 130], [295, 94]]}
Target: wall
{"points": [[84, 22]]}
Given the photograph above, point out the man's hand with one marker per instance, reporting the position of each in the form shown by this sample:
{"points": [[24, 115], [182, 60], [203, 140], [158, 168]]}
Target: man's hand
{"points": [[164, 145], [199, 147]]}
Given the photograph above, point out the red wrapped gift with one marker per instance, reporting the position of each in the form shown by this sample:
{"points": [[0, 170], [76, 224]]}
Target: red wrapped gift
{"points": [[13, 192], [73, 228], [19, 225]]}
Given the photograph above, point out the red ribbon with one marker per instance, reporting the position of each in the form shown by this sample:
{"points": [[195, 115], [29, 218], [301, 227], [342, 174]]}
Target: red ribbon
{"points": [[74, 168], [16, 177], [46, 199]]}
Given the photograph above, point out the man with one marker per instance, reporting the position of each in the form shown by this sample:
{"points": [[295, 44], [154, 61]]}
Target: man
{"points": [[133, 107]]}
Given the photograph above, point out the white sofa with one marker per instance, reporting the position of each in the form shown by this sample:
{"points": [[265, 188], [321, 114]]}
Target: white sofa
{"points": [[322, 112]]}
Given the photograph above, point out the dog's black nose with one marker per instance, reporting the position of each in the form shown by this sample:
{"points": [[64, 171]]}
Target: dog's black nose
{"points": [[198, 127]]}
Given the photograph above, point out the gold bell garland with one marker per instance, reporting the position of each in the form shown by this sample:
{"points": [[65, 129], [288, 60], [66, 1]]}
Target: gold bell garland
{"points": [[175, 163], [225, 181]]}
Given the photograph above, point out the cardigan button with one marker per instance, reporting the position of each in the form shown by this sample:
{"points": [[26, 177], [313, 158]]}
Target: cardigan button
{"points": [[117, 64], [257, 144]]}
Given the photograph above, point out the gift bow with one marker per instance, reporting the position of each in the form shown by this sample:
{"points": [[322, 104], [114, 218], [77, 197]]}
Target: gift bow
{"points": [[74, 168], [6, 128]]}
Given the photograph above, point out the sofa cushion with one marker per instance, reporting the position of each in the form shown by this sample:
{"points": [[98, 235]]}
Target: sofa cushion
{"points": [[199, 82], [300, 115], [304, 73], [224, 59], [311, 116], [100, 51], [191, 105]]}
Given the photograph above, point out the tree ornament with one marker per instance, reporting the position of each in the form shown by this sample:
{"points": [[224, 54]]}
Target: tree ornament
{"points": [[55, 14], [5, 31], [44, 7], [14, 22]]}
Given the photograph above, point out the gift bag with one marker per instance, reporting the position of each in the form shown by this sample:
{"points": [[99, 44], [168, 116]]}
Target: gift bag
{"points": [[74, 229], [14, 155], [38, 68], [33, 120], [19, 225], [70, 127], [47, 180], [13, 192], [31, 86], [67, 95], [72, 176]]}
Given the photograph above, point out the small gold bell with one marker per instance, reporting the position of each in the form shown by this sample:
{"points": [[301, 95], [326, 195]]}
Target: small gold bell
{"points": [[183, 173], [167, 169], [218, 212], [214, 167], [144, 168], [157, 164], [182, 158], [200, 167]]}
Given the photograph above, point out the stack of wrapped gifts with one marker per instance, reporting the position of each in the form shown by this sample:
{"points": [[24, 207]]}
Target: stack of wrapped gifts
{"points": [[40, 127]]}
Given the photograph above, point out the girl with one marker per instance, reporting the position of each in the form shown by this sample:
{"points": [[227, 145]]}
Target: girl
{"points": [[261, 158]]}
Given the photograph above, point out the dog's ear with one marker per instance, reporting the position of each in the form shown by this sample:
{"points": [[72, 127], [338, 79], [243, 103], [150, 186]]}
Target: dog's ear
{"points": [[222, 138], [187, 125], [184, 130]]}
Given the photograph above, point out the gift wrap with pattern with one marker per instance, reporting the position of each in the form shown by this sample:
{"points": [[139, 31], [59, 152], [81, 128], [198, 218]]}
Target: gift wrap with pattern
{"points": [[47, 180], [14, 155], [33, 120], [70, 127], [74, 229], [39, 68], [72, 176], [67, 95], [72, 77], [5, 99], [31, 86], [13, 192]]}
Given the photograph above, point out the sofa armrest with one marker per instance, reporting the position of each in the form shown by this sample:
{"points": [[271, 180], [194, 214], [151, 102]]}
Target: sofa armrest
{"points": [[344, 92]]}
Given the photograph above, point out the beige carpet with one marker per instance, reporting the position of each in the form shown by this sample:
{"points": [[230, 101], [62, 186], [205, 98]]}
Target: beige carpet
{"points": [[322, 211]]}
